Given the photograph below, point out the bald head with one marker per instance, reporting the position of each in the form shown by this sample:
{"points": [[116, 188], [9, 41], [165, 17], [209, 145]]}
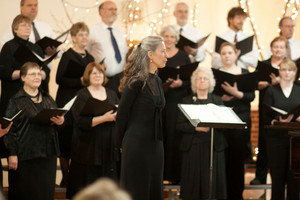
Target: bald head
{"points": [[108, 12], [181, 13]]}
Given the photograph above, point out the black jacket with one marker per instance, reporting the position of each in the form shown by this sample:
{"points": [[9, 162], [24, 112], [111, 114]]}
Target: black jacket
{"points": [[25, 139]]}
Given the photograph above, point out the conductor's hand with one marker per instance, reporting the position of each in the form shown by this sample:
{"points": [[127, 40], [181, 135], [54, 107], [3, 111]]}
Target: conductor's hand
{"points": [[50, 50], [202, 129], [4, 131], [110, 116], [190, 50], [176, 83], [13, 162], [58, 120]]}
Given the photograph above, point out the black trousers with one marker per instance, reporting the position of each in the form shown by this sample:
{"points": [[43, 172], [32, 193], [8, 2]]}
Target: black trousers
{"points": [[278, 148]]}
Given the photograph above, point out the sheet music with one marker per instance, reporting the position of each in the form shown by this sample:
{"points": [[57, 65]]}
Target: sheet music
{"points": [[210, 113]]}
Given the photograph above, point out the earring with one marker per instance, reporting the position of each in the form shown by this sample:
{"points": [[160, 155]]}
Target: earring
{"points": [[150, 60]]}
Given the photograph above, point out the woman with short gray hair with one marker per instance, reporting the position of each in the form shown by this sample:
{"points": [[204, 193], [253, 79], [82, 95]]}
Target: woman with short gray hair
{"points": [[195, 145]]}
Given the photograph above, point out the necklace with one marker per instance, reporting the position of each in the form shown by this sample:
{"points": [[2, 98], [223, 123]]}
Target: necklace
{"points": [[35, 96]]}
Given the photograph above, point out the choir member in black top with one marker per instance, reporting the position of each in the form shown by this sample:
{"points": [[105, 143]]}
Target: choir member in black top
{"points": [[285, 96], [138, 125], [32, 147], [69, 79], [93, 153], [195, 145], [238, 140], [279, 47], [10, 66], [177, 90], [11, 83]]}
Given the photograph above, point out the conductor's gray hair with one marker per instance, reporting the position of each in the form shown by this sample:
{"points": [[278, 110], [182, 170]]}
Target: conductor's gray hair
{"points": [[136, 68]]}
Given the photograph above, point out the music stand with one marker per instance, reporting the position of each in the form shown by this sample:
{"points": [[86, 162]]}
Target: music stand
{"points": [[238, 124]]}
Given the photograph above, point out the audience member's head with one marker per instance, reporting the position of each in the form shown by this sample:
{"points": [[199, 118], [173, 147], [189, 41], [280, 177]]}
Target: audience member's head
{"points": [[102, 189]]}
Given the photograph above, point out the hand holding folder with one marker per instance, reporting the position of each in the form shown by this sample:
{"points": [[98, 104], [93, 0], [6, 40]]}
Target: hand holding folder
{"points": [[46, 42], [183, 41], [184, 72], [5, 122], [245, 46], [265, 70], [94, 107], [245, 82], [284, 114], [23, 55]]}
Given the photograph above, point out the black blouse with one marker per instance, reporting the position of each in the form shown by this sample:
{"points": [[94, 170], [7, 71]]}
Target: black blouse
{"points": [[92, 145], [30, 140]]}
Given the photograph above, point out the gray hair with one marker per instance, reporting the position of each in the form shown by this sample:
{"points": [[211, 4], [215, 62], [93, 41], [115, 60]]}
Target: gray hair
{"points": [[170, 29], [180, 3], [209, 73], [136, 69]]}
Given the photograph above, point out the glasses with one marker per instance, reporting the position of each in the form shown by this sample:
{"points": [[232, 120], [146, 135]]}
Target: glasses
{"points": [[202, 78], [111, 9], [24, 25], [286, 70], [289, 26], [35, 74], [96, 73]]}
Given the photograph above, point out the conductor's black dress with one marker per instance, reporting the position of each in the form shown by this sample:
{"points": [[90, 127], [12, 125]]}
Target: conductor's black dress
{"points": [[139, 129]]}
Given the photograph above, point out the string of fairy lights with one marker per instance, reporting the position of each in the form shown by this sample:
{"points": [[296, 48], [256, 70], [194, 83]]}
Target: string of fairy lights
{"points": [[135, 16]]}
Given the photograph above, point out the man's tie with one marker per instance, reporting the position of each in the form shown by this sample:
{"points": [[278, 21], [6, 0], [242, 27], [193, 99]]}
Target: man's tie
{"points": [[180, 31], [36, 33], [115, 45], [288, 51], [235, 38]]}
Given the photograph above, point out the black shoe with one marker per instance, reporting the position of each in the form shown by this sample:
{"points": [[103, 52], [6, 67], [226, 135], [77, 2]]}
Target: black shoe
{"points": [[257, 181]]}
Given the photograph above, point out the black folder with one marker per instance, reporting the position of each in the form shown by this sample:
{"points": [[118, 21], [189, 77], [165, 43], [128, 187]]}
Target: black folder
{"points": [[184, 71], [183, 41], [94, 107], [48, 42], [74, 69], [265, 70], [5, 121], [283, 113], [245, 45], [43, 117], [245, 82], [23, 55]]}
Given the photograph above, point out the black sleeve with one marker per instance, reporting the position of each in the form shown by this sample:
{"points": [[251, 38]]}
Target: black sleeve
{"points": [[83, 122], [127, 101], [6, 59], [183, 124], [61, 78], [11, 138]]}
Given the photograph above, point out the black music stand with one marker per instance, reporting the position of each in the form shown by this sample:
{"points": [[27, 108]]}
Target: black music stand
{"points": [[213, 124]]}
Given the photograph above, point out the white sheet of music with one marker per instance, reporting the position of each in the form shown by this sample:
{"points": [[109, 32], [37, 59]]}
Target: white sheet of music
{"points": [[210, 113]]}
